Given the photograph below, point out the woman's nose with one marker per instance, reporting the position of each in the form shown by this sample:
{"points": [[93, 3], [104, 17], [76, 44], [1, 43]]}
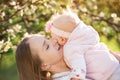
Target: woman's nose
{"points": [[54, 41]]}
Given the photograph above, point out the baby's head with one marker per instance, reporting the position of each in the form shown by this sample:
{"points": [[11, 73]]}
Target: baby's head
{"points": [[62, 26]]}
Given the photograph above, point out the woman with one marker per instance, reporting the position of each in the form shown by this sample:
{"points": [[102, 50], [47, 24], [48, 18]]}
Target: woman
{"points": [[36, 55]]}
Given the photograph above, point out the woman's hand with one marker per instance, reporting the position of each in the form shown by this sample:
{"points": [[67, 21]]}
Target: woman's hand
{"points": [[116, 54]]}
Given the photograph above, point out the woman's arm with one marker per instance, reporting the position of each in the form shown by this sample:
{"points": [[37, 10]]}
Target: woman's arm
{"points": [[116, 54]]}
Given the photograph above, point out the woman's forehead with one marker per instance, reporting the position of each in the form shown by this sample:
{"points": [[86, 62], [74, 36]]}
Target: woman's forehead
{"points": [[36, 42]]}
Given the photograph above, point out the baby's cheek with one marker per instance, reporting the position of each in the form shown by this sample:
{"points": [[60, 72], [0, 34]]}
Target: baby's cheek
{"points": [[61, 42], [53, 35]]}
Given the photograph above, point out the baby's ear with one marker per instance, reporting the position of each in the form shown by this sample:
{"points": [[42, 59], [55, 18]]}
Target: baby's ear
{"points": [[63, 40], [45, 67]]}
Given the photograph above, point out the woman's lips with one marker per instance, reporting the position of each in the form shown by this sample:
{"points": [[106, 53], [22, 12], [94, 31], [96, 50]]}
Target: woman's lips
{"points": [[59, 47]]}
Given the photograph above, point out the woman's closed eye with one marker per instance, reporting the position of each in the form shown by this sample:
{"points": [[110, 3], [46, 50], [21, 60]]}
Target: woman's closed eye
{"points": [[47, 47]]}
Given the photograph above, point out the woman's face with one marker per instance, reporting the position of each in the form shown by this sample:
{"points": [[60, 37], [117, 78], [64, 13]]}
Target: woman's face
{"points": [[49, 53]]}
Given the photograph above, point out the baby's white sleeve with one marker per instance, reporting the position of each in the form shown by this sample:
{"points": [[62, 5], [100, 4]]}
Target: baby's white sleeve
{"points": [[77, 64]]}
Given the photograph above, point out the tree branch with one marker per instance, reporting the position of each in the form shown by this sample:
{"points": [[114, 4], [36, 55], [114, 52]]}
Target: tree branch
{"points": [[6, 19], [114, 25]]}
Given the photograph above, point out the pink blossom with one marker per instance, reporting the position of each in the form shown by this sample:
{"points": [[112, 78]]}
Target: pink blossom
{"points": [[48, 26]]}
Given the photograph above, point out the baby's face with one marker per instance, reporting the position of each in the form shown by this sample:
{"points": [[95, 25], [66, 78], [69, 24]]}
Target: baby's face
{"points": [[58, 39]]}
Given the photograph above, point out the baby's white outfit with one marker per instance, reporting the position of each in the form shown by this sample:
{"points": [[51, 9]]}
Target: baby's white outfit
{"points": [[67, 75], [116, 74], [86, 56]]}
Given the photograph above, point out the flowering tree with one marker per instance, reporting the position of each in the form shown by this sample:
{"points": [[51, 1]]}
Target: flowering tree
{"points": [[21, 17]]}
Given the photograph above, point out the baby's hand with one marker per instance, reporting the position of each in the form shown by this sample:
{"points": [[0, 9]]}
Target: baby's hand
{"points": [[75, 79]]}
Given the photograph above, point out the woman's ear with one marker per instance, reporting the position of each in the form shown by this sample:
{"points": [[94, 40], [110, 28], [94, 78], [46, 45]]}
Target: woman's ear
{"points": [[45, 67]]}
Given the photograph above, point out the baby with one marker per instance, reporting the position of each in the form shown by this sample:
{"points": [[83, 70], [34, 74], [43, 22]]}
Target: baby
{"points": [[83, 52]]}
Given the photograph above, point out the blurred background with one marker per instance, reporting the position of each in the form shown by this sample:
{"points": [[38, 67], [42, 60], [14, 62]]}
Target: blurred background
{"points": [[19, 18]]}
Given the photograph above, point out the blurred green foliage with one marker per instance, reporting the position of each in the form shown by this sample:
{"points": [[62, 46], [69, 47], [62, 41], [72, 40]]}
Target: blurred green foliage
{"points": [[19, 18]]}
